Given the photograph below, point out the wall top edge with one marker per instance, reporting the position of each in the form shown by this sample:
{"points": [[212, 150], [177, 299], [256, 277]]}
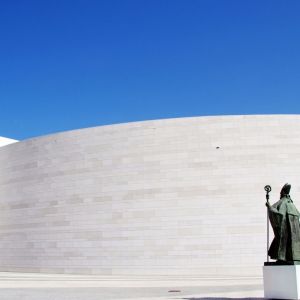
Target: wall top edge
{"points": [[217, 118]]}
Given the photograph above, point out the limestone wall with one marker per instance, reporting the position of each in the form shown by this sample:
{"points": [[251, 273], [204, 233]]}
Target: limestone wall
{"points": [[178, 196]]}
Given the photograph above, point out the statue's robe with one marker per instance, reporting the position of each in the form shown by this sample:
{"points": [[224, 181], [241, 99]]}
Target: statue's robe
{"points": [[284, 218]]}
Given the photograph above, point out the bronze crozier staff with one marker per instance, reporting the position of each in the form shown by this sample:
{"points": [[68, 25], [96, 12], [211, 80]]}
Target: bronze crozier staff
{"points": [[268, 189]]}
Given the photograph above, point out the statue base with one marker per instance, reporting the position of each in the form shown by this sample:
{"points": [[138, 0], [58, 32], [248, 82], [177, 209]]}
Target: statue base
{"points": [[281, 281], [282, 263]]}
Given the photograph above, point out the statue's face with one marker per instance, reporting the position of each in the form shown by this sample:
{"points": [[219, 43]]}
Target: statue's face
{"points": [[283, 195]]}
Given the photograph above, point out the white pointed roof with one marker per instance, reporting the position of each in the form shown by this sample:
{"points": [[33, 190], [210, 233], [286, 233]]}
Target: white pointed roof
{"points": [[5, 141]]}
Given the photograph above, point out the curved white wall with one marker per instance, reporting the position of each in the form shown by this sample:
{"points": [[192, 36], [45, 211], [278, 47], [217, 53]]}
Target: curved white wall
{"points": [[155, 197]]}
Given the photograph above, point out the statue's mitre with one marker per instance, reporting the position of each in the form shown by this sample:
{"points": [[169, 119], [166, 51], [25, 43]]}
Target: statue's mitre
{"points": [[286, 189]]}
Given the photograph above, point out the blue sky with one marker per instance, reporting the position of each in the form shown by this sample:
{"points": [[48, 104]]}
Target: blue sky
{"points": [[68, 64]]}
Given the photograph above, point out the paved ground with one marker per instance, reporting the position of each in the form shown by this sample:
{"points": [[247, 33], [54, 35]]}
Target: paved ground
{"points": [[27, 286]]}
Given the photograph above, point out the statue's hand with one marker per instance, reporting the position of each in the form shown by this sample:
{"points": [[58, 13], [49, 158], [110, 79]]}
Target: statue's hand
{"points": [[268, 204]]}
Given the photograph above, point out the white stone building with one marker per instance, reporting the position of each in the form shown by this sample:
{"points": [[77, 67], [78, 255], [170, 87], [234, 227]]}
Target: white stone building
{"points": [[176, 196]]}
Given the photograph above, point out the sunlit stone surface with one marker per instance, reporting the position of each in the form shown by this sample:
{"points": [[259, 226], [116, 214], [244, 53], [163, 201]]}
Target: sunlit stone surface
{"points": [[178, 196], [20, 286], [5, 141]]}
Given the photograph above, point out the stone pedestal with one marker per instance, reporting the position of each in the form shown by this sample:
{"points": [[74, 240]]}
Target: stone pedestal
{"points": [[282, 281]]}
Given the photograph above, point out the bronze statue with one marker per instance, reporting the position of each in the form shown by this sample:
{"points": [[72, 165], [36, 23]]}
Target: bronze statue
{"points": [[284, 219]]}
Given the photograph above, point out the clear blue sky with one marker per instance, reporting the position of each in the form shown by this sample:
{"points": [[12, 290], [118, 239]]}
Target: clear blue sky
{"points": [[68, 64]]}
